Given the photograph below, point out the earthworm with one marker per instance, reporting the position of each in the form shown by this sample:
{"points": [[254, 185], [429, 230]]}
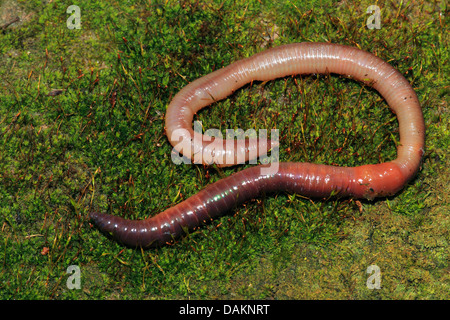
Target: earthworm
{"points": [[312, 180]]}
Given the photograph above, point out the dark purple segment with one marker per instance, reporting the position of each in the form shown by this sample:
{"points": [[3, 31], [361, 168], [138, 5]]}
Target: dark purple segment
{"points": [[217, 199]]}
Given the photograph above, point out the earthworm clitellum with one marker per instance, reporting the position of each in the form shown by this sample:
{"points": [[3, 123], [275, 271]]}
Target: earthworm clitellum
{"points": [[308, 179]]}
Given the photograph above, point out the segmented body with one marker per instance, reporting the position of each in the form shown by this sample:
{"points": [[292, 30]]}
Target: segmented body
{"points": [[314, 180]]}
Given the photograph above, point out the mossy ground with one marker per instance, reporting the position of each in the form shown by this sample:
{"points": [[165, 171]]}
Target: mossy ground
{"points": [[82, 128]]}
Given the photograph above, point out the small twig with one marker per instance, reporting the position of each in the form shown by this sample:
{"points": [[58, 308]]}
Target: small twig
{"points": [[3, 27], [34, 235]]}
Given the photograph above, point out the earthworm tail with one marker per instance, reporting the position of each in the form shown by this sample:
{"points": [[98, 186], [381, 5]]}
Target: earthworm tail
{"points": [[313, 180]]}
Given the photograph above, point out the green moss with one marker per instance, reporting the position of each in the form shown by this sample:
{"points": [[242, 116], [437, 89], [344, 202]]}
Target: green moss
{"points": [[100, 145]]}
